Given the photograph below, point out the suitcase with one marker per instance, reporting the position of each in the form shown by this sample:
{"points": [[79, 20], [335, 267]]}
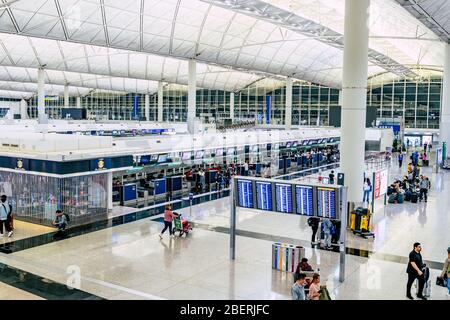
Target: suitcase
{"points": [[408, 195], [414, 197], [392, 198], [400, 198]]}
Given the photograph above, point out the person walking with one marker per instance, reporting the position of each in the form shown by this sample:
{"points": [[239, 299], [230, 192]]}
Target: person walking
{"points": [[424, 186], [298, 288], [314, 222], [327, 226], [446, 271], [400, 159], [5, 216], [367, 188], [414, 271], [168, 218]]}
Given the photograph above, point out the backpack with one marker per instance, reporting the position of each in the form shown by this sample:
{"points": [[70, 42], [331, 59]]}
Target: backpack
{"points": [[332, 230], [67, 217]]}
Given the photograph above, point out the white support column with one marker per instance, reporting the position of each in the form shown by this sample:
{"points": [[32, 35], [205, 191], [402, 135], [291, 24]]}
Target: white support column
{"points": [[42, 117], [109, 190], [23, 109], [354, 96], [444, 131], [66, 96], [147, 107], [78, 102], [160, 102], [288, 114], [192, 95], [232, 106]]}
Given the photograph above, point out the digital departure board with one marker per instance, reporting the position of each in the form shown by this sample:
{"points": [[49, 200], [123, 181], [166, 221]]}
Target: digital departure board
{"points": [[264, 195], [304, 197], [283, 198], [245, 193], [326, 203]]}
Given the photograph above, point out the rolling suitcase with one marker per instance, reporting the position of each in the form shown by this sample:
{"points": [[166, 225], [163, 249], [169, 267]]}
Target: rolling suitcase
{"points": [[414, 197], [400, 198]]}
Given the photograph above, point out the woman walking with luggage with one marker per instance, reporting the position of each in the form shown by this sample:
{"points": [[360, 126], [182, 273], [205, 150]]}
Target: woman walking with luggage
{"points": [[168, 218]]}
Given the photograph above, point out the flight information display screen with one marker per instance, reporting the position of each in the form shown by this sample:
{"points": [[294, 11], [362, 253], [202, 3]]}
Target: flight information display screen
{"points": [[304, 197], [326, 203], [264, 195], [283, 197], [245, 193]]}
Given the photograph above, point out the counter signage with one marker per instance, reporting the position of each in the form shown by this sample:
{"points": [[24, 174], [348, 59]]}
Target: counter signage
{"points": [[19, 165]]}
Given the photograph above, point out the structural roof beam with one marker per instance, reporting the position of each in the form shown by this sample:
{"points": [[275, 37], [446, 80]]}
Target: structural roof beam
{"points": [[264, 11]]}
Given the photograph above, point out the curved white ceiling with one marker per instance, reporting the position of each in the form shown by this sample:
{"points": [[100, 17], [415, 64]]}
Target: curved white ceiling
{"points": [[151, 39]]}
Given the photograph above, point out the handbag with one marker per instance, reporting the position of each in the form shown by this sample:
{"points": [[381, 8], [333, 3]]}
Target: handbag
{"points": [[442, 282]]}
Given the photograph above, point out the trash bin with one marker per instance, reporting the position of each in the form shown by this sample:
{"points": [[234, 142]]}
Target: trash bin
{"points": [[286, 257]]}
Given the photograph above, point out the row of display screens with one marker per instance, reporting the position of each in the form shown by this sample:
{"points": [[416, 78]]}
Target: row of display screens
{"points": [[288, 198], [123, 132]]}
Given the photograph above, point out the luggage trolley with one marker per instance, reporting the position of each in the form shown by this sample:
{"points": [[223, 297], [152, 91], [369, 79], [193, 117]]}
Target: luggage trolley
{"points": [[182, 226]]}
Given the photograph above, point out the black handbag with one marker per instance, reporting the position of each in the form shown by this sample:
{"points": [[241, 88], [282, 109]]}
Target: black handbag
{"points": [[442, 282]]}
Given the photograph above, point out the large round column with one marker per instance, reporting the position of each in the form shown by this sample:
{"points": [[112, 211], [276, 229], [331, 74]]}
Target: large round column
{"points": [[147, 107], [192, 95], [232, 106], [354, 96], [444, 132], [288, 114], [66, 96], [160, 102], [42, 117]]}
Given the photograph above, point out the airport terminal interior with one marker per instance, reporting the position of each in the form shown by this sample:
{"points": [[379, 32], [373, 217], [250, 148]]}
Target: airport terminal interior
{"points": [[224, 150]]}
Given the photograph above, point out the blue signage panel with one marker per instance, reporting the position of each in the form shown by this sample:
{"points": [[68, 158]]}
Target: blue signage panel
{"points": [[264, 195], [304, 197], [283, 197], [245, 193]]}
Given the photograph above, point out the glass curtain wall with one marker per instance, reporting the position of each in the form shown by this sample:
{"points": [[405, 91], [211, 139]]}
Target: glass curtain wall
{"points": [[417, 101]]}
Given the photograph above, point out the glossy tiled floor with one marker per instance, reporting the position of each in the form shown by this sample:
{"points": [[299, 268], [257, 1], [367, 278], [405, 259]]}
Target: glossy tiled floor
{"points": [[10, 293], [130, 262], [23, 230]]}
